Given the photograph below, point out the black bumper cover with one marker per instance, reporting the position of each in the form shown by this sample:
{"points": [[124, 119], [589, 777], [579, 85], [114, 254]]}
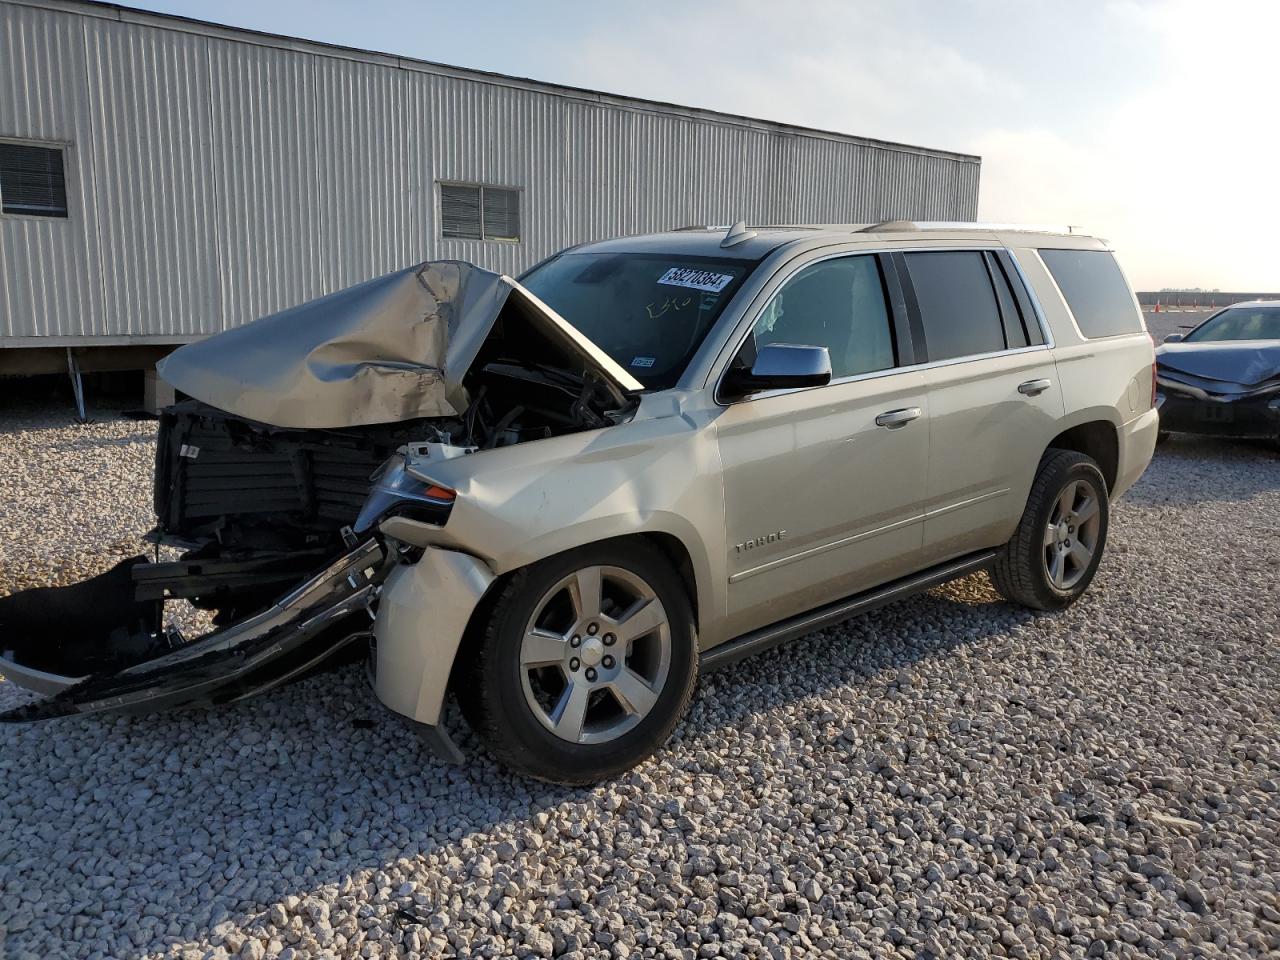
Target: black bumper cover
{"points": [[1243, 418]]}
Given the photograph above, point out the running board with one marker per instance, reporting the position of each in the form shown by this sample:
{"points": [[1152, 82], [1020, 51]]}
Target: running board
{"points": [[766, 638]]}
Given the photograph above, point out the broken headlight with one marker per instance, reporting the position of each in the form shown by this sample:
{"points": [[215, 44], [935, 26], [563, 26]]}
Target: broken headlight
{"points": [[399, 493]]}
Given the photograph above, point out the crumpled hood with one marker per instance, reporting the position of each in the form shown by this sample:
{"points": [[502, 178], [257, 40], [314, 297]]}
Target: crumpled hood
{"points": [[1246, 362], [391, 349]]}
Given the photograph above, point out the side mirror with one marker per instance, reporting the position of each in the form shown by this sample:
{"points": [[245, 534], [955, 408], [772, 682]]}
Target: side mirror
{"points": [[1173, 338], [780, 366]]}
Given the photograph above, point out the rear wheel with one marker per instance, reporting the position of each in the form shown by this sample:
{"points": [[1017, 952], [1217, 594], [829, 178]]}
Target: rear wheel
{"points": [[1054, 554], [585, 665]]}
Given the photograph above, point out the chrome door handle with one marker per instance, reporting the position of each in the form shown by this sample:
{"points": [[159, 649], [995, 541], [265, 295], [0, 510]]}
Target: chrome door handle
{"points": [[1033, 388], [898, 418]]}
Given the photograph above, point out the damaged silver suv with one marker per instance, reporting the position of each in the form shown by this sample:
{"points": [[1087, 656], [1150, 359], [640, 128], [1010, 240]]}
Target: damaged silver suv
{"points": [[560, 498]]}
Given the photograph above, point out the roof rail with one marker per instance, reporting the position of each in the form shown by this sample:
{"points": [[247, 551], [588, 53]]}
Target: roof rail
{"points": [[907, 226]]}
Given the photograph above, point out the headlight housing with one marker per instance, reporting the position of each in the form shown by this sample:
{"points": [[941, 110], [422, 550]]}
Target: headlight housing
{"points": [[399, 493]]}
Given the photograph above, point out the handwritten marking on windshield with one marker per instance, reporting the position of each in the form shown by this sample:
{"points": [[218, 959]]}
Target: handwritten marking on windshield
{"points": [[671, 303]]}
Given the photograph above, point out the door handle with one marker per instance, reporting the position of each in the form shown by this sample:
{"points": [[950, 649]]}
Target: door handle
{"points": [[898, 418], [1033, 388]]}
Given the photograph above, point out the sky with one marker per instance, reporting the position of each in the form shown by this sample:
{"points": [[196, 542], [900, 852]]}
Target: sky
{"points": [[1151, 123]]}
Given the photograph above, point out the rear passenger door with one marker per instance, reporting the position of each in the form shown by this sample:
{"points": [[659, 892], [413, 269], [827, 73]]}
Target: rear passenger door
{"points": [[994, 399]]}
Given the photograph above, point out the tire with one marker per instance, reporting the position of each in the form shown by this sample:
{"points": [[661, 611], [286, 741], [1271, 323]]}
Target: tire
{"points": [[511, 691], [1161, 437], [1025, 571]]}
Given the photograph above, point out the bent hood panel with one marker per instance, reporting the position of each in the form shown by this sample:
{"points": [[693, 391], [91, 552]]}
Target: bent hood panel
{"points": [[391, 349], [1246, 362]]}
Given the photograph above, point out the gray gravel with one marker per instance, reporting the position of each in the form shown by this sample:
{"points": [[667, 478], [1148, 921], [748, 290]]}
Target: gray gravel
{"points": [[948, 777], [1161, 324]]}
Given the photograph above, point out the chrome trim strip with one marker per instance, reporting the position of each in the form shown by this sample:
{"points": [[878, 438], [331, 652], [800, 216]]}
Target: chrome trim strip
{"points": [[930, 514], [823, 548], [864, 535]]}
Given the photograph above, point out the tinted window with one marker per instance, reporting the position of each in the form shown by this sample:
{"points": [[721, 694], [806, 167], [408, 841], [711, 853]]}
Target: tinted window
{"points": [[1240, 323], [837, 304], [1015, 334], [649, 312], [1095, 290], [957, 304]]}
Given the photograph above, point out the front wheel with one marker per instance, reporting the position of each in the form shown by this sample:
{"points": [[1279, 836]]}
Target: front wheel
{"points": [[586, 664], [1053, 555]]}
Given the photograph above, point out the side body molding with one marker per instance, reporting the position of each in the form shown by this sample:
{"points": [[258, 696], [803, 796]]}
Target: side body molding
{"points": [[422, 615]]}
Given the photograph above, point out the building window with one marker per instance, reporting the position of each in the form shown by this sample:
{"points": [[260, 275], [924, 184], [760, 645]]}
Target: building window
{"points": [[475, 212], [32, 182]]}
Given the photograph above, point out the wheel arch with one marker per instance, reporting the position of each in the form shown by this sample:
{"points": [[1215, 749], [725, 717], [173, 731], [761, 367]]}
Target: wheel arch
{"points": [[1098, 439], [671, 545]]}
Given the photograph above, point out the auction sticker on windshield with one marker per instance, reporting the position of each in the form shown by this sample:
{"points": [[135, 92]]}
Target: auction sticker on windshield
{"points": [[696, 279]]}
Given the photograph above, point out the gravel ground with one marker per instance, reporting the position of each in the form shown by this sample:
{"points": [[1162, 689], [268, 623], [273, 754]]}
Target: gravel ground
{"points": [[948, 777], [1161, 324]]}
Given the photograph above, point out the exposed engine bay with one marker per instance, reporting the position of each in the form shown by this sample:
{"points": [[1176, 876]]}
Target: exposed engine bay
{"points": [[254, 509]]}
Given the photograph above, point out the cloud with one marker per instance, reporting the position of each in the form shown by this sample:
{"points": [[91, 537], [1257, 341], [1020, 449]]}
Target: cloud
{"points": [[1147, 123], [835, 65], [1178, 174]]}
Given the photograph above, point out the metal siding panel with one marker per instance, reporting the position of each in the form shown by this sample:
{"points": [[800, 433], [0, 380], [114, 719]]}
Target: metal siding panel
{"points": [[363, 162], [264, 141], [50, 273], [149, 94], [214, 180]]}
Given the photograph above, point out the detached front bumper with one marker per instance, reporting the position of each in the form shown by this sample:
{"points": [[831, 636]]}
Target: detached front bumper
{"points": [[299, 631], [423, 610]]}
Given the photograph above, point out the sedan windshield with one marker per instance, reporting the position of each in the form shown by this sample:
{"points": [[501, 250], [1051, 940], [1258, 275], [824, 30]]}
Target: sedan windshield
{"points": [[649, 312], [1240, 323]]}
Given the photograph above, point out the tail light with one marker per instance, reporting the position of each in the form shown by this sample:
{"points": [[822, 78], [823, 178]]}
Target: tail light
{"points": [[1153, 370]]}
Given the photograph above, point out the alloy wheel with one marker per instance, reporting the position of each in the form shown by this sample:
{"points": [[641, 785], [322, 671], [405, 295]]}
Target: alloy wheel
{"points": [[595, 654], [1071, 534]]}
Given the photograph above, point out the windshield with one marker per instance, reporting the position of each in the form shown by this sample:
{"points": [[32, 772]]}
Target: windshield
{"points": [[646, 311], [1240, 323]]}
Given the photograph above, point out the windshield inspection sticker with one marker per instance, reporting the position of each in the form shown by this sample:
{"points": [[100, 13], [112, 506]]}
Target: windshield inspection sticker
{"points": [[695, 279], [642, 362]]}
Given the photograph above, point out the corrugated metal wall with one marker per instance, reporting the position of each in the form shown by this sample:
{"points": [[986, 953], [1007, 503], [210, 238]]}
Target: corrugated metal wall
{"points": [[212, 180]]}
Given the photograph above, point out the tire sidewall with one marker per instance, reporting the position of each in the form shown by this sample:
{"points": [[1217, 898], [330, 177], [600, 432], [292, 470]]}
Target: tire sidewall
{"points": [[532, 746], [1079, 470]]}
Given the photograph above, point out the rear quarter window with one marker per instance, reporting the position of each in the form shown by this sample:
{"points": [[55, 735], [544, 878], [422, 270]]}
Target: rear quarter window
{"points": [[1095, 290]]}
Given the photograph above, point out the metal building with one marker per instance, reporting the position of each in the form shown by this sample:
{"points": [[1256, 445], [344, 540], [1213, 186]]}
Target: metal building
{"points": [[162, 179]]}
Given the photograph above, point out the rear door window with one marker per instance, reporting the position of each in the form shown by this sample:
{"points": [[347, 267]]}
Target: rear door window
{"points": [[1095, 290], [957, 304]]}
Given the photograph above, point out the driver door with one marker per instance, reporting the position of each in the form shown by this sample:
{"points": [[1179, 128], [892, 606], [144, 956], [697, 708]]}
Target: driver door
{"points": [[825, 487]]}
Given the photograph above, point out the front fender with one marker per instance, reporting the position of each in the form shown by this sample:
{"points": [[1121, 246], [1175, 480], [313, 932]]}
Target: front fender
{"points": [[422, 615], [520, 504]]}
